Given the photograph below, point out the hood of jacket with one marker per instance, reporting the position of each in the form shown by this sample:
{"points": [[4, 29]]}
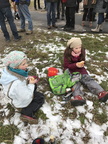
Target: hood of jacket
{"points": [[6, 77]]}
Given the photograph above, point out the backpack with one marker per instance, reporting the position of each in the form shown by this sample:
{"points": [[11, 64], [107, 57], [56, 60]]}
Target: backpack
{"points": [[60, 83]]}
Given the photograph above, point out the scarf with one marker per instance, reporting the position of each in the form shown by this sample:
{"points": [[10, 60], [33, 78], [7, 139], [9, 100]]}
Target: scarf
{"points": [[75, 55], [19, 71]]}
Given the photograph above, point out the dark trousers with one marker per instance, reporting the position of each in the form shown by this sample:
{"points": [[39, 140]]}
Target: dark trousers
{"points": [[62, 8], [70, 16], [88, 13], [35, 6], [34, 106], [6, 13]]}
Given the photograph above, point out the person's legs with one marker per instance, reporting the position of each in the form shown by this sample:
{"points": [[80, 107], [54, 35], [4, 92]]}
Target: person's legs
{"points": [[72, 17], [53, 9], [39, 5], [34, 106], [91, 84], [90, 16], [99, 23], [63, 10], [25, 11], [48, 8], [22, 18], [9, 16], [67, 17], [58, 9], [76, 99], [84, 16], [35, 7], [3, 25], [100, 18]]}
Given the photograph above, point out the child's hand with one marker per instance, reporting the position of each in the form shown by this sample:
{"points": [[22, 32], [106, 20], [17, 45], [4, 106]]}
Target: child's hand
{"points": [[80, 64], [32, 80]]}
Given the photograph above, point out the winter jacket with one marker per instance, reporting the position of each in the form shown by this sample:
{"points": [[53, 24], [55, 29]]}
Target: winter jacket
{"points": [[4, 3], [89, 3], [99, 6], [71, 3], [71, 64], [20, 93]]}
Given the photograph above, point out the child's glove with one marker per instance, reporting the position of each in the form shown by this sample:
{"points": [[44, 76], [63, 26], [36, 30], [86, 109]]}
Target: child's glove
{"points": [[80, 64]]}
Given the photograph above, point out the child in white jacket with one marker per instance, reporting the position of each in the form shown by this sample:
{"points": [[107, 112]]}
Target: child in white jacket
{"points": [[20, 87]]}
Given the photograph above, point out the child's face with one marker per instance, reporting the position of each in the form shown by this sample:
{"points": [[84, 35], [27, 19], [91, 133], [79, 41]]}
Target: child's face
{"points": [[77, 50], [23, 65]]}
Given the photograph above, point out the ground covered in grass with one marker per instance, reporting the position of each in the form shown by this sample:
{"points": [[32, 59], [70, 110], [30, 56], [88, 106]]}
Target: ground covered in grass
{"points": [[86, 124]]}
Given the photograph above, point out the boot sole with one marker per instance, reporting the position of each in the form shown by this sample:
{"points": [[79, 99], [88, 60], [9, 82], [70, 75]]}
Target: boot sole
{"points": [[104, 99], [30, 121], [78, 102]]}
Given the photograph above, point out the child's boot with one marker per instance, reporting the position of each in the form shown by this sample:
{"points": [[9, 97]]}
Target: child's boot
{"points": [[103, 96], [77, 101]]}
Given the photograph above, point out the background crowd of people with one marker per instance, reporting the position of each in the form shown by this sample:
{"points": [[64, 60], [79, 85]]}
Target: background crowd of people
{"points": [[55, 9]]}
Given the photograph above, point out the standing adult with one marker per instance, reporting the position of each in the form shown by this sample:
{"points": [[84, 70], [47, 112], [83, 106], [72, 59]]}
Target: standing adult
{"points": [[23, 9], [5, 12], [101, 8], [88, 10], [51, 12], [70, 14], [60, 6]]}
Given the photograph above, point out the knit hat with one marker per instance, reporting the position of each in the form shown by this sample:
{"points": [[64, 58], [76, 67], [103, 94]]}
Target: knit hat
{"points": [[74, 42], [14, 59]]}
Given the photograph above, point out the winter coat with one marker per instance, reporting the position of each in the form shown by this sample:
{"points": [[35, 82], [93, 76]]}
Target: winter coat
{"points": [[89, 3], [99, 6], [4, 3], [71, 3], [20, 93], [71, 64]]}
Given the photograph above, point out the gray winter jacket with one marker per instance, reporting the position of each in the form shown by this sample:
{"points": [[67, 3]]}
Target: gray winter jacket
{"points": [[99, 6]]}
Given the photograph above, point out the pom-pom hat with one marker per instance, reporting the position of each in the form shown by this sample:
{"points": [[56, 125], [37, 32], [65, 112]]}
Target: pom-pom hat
{"points": [[14, 59], [74, 42]]}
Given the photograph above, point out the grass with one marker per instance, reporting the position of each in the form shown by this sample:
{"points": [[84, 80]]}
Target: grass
{"points": [[37, 47]]}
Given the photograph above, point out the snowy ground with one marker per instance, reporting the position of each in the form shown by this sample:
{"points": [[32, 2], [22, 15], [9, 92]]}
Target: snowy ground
{"points": [[65, 130]]}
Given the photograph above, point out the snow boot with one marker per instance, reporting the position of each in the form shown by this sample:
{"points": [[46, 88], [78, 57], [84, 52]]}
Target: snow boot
{"points": [[103, 96], [97, 29], [77, 101]]}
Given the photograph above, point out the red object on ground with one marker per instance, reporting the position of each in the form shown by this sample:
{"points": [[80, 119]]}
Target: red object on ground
{"points": [[52, 71]]}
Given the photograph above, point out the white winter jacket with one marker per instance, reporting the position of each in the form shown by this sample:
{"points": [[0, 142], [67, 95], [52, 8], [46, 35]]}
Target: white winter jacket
{"points": [[16, 88]]}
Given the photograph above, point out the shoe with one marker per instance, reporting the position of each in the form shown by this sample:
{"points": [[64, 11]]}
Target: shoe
{"points": [[21, 30], [54, 26], [39, 8], [62, 18], [7, 40], [28, 119], [49, 27], [29, 32], [103, 96], [77, 101], [18, 38]]}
